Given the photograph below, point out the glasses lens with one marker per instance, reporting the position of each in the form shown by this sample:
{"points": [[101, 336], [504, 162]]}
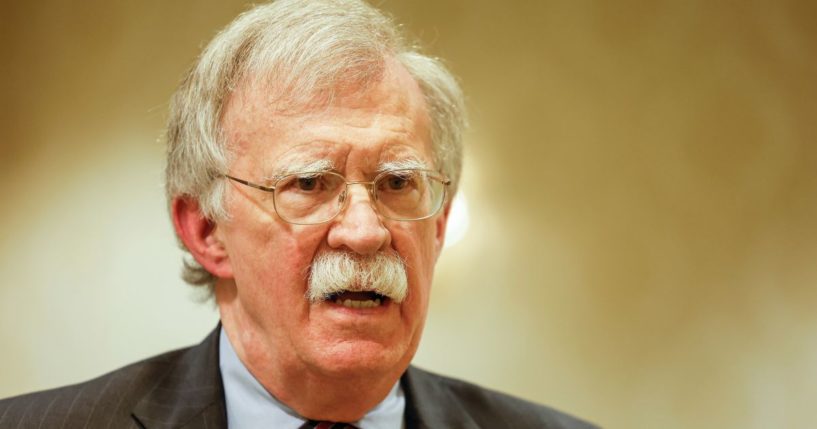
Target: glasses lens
{"points": [[409, 194], [309, 198]]}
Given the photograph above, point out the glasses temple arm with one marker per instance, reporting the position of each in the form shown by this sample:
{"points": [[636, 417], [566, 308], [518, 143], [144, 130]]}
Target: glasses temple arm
{"points": [[250, 184]]}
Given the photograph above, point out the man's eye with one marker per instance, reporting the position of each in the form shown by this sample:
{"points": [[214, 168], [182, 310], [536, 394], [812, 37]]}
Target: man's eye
{"points": [[396, 183], [399, 181], [307, 183]]}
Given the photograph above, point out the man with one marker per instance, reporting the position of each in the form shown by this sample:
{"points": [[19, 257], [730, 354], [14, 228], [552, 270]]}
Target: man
{"points": [[312, 157]]}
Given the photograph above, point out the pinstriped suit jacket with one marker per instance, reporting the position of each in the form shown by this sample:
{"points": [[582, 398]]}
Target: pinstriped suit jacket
{"points": [[183, 389]]}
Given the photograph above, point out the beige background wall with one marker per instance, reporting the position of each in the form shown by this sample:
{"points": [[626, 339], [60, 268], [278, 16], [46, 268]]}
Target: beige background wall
{"points": [[642, 178]]}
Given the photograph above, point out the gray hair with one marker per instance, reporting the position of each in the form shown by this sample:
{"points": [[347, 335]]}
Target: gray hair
{"points": [[309, 51]]}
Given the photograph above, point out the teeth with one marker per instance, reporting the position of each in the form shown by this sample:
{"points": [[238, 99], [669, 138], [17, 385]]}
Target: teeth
{"points": [[358, 304]]}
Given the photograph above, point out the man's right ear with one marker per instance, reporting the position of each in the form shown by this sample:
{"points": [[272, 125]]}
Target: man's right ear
{"points": [[199, 237]]}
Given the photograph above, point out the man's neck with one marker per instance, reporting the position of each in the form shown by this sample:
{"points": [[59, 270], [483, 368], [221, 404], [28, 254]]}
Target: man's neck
{"points": [[309, 392]]}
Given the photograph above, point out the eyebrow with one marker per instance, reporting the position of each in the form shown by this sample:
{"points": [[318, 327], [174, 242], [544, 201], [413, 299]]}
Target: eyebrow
{"points": [[403, 164], [321, 165], [293, 167]]}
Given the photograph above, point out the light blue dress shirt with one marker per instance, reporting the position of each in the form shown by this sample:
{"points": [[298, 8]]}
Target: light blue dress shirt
{"points": [[250, 406]]}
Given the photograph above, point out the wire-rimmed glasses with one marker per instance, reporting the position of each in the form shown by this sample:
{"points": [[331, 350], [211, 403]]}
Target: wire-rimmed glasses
{"points": [[315, 197]]}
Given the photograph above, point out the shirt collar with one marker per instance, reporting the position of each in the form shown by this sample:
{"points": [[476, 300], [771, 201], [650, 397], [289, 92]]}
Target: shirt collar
{"points": [[250, 406]]}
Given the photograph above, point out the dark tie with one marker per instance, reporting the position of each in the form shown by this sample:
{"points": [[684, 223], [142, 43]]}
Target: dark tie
{"points": [[314, 424]]}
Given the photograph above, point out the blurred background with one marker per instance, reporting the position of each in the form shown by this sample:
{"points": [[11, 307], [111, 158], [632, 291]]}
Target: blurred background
{"points": [[641, 180]]}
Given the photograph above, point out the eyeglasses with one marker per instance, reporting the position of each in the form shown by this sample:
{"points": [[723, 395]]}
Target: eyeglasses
{"points": [[314, 197]]}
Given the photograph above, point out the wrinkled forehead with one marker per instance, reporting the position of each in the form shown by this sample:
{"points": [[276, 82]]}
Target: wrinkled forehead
{"points": [[253, 102], [329, 156], [388, 118]]}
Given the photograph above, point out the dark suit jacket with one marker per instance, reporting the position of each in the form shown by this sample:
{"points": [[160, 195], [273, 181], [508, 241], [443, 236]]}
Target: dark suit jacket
{"points": [[183, 389]]}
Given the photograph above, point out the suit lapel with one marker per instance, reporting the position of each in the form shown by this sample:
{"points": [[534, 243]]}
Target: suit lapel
{"points": [[430, 406], [189, 394]]}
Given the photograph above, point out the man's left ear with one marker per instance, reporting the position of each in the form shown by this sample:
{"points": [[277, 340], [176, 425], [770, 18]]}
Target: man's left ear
{"points": [[441, 223]]}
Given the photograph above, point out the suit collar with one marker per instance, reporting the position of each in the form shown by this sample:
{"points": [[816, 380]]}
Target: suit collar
{"points": [[189, 393]]}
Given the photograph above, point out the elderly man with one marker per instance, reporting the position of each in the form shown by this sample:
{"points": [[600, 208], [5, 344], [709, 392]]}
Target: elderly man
{"points": [[312, 157]]}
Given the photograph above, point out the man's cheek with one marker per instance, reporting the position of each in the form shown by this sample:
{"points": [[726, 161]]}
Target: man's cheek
{"points": [[290, 267]]}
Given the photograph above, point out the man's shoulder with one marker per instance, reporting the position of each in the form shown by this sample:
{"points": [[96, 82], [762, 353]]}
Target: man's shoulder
{"points": [[105, 401], [441, 400]]}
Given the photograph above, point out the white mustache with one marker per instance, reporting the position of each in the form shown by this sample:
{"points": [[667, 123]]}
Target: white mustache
{"points": [[336, 271]]}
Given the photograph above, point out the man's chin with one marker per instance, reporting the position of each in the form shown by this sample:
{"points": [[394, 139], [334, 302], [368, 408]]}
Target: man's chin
{"points": [[361, 359], [344, 341]]}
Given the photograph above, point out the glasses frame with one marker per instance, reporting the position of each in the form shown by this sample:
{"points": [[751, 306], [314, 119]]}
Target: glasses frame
{"points": [[368, 184]]}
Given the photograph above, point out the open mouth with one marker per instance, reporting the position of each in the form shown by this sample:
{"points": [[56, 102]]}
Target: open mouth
{"points": [[358, 299]]}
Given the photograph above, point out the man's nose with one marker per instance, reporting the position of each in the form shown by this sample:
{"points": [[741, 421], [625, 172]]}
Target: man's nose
{"points": [[359, 227]]}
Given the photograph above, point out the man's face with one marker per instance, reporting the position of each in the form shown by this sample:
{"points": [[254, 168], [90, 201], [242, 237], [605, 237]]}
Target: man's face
{"points": [[277, 327]]}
